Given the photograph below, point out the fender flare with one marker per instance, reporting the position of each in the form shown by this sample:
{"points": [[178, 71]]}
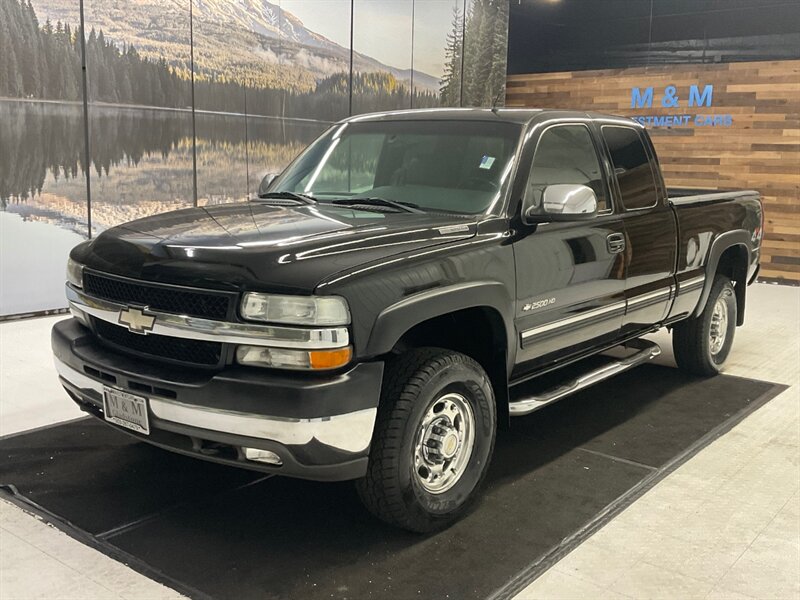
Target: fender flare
{"points": [[737, 237], [394, 321]]}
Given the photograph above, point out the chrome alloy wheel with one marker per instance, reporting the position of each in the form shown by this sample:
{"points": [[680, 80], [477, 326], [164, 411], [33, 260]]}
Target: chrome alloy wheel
{"points": [[443, 443], [719, 325]]}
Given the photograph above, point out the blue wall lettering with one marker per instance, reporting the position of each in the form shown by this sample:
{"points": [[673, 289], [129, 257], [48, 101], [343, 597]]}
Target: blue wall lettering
{"points": [[639, 100], [696, 99], [671, 98]]}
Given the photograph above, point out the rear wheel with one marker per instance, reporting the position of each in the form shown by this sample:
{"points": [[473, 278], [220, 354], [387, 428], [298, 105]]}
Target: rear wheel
{"points": [[433, 440], [702, 344]]}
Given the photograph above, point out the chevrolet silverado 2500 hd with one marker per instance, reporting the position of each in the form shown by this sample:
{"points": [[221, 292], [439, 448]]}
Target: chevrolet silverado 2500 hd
{"points": [[370, 314]]}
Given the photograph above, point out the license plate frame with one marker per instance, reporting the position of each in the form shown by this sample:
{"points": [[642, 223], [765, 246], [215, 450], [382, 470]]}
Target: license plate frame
{"points": [[126, 410]]}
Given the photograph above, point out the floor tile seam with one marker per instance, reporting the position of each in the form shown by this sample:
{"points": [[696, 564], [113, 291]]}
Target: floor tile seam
{"points": [[584, 548], [763, 448], [714, 498], [605, 588], [642, 560], [105, 548], [712, 449], [775, 516], [719, 588], [742, 553], [710, 500], [48, 552], [678, 573]]}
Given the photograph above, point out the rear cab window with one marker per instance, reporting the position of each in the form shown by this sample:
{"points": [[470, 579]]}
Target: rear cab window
{"points": [[632, 166]]}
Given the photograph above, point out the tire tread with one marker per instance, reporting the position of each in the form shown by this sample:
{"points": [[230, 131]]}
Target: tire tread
{"points": [[404, 378], [690, 336]]}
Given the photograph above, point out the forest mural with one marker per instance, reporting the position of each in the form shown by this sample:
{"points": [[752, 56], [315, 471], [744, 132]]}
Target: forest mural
{"points": [[235, 87]]}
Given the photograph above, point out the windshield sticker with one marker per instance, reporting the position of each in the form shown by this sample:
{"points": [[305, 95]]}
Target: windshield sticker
{"points": [[486, 162]]}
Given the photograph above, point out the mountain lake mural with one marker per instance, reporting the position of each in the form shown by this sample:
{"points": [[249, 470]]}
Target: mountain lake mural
{"points": [[237, 87]]}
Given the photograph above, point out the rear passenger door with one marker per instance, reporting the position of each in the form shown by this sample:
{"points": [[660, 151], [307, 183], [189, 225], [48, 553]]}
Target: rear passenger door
{"points": [[650, 226], [570, 275]]}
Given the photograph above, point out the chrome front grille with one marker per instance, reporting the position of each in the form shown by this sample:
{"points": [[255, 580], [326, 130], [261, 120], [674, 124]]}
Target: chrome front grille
{"points": [[173, 349], [171, 299], [175, 331]]}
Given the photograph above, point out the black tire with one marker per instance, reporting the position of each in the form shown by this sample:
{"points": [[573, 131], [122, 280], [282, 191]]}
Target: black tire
{"points": [[414, 382], [695, 352]]}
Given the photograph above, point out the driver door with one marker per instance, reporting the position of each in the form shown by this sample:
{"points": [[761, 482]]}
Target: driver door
{"points": [[570, 275]]}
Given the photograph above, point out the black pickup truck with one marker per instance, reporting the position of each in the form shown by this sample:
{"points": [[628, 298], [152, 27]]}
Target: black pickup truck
{"points": [[370, 314]]}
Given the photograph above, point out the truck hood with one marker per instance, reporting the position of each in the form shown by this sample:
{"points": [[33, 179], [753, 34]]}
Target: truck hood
{"points": [[257, 246]]}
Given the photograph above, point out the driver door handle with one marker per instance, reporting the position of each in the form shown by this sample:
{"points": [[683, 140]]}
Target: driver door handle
{"points": [[616, 242]]}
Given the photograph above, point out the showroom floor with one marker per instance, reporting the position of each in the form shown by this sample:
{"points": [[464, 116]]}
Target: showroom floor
{"points": [[726, 524]]}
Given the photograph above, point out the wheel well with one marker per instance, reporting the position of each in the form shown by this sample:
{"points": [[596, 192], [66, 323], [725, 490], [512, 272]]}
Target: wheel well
{"points": [[733, 264], [479, 333]]}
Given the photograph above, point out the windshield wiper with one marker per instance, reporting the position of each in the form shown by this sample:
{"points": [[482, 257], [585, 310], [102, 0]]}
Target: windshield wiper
{"points": [[404, 206], [302, 198]]}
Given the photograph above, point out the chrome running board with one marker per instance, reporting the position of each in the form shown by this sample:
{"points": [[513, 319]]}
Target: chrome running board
{"points": [[646, 351]]}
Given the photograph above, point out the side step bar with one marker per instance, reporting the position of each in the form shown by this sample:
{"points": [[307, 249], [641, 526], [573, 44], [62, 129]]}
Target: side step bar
{"points": [[646, 351]]}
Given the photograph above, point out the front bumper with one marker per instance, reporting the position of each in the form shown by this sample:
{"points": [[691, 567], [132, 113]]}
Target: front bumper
{"points": [[320, 426]]}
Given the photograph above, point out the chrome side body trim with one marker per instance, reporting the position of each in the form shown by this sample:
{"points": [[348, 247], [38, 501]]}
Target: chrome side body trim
{"points": [[632, 303], [646, 352], [652, 297], [579, 318], [350, 432], [197, 328], [689, 284]]}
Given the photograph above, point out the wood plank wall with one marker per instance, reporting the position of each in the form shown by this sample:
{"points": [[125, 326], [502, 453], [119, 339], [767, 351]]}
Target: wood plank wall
{"points": [[760, 150]]}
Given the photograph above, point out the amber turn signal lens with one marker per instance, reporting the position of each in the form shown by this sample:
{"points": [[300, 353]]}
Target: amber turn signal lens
{"points": [[330, 359]]}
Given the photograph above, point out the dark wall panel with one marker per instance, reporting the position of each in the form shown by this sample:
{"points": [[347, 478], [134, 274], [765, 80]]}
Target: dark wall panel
{"points": [[572, 35]]}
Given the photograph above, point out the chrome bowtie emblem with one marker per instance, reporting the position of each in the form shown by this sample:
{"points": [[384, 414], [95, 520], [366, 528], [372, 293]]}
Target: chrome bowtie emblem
{"points": [[136, 319]]}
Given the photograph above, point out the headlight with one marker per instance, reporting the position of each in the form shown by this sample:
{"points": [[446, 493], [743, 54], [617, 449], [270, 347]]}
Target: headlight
{"points": [[280, 358], [297, 310], [74, 273]]}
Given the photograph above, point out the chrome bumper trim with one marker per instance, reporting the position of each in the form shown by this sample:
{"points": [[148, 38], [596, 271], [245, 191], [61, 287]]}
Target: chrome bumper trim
{"points": [[350, 432], [196, 328], [83, 382]]}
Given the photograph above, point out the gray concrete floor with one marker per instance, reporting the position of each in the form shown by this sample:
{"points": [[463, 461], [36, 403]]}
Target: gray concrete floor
{"points": [[724, 525]]}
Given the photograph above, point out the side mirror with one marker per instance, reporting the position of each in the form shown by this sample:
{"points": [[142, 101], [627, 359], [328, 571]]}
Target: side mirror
{"points": [[263, 187], [564, 202]]}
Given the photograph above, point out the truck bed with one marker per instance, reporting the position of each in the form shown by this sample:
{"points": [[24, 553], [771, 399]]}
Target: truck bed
{"points": [[681, 196]]}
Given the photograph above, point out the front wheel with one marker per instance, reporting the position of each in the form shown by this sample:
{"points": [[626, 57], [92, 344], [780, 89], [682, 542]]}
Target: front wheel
{"points": [[702, 344], [433, 440]]}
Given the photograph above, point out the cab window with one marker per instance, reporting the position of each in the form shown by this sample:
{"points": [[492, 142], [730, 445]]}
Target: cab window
{"points": [[566, 154], [637, 186]]}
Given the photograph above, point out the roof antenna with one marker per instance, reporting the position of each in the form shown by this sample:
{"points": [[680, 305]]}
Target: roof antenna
{"points": [[497, 98]]}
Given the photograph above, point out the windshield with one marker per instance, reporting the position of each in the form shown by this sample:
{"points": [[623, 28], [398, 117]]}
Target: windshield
{"points": [[450, 166]]}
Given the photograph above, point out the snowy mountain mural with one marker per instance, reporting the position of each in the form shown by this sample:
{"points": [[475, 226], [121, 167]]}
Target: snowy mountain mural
{"points": [[252, 40], [157, 136]]}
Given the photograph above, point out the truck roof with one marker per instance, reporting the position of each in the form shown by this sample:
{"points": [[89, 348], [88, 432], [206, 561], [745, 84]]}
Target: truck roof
{"points": [[510, 115]]}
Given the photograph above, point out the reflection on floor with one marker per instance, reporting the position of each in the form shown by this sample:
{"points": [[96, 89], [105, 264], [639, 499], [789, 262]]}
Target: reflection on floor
{"points": [[725, 523]]}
